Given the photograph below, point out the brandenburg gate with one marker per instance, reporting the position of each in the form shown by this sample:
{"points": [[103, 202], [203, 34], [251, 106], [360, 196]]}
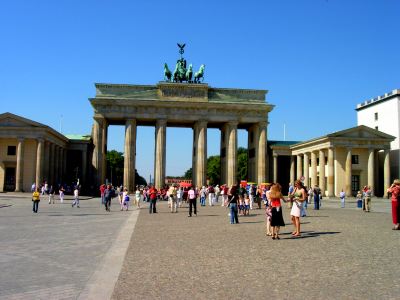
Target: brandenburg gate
{"points": [[193, 105]]}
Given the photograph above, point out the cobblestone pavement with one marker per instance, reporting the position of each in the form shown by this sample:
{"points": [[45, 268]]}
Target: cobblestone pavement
{"points": [[343, 254], [54, 254]]}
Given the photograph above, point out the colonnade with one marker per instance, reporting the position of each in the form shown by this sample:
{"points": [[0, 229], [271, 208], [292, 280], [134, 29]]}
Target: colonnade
{"points": [[50, 163], [314, 172], [199, 155]]}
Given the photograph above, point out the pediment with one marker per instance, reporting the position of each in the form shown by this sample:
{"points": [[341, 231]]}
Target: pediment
{"points": [[11, 120], [361, 132]]}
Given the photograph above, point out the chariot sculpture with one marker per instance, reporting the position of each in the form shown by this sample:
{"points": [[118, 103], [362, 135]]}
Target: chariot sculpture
{"points": [[181, 73]]}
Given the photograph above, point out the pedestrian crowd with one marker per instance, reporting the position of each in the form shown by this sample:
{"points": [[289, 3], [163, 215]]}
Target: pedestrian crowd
{"points": [[239, 198]]}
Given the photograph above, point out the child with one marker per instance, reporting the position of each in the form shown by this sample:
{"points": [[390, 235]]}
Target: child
{"points": [[241, 206], [359, 199], [246, 205]]}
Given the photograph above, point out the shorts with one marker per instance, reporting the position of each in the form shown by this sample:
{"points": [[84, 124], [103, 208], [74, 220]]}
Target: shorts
{"points": [[246, 206]]}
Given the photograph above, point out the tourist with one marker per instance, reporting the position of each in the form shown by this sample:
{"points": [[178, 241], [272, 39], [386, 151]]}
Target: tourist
{"points": [[203, 195], [310, 195], [258, 196], [109, 193], [51, 194], [179, 194], [211, 195], [61, 194], [217, 192], [36, 200], [76, 197], [33, 187], [192, 202], [394, 189], [342, 197], [241, 206], [359, 198], [102, 190], [153, 200], [276, 209], [303, 212], [246, 211], [298, 197], [137, 197], [317, 193], [173, 200], [251, 195], [268, 215], [224, 194], [367, 198], [125, 200], [233, 197]]}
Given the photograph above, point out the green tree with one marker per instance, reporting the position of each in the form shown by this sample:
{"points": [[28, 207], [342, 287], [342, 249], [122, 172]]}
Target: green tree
{"points": [[214, 167], [115, 169], [242, 159], [188, 174]]}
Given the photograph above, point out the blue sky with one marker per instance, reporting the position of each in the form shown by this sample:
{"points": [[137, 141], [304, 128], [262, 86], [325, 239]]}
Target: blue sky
{"points": [[317, 58]]}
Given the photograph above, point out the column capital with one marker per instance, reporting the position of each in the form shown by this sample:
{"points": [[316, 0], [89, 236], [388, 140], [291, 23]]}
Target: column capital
{"points": [[40, 139], [263, 124], [274, 154], [99, 120], [130, 122], [161, 122], [233, 123]]}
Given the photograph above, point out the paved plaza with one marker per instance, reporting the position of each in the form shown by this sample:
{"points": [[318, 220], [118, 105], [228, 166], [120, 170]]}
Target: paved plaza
{"points": [[70, 253]]}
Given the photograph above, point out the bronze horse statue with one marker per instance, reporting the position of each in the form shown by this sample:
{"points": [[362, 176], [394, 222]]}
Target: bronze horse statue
{"points": [[167, 73], [199, 74]]}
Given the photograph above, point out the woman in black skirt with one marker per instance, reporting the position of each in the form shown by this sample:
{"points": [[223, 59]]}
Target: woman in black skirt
{"points": [[276, 196]]}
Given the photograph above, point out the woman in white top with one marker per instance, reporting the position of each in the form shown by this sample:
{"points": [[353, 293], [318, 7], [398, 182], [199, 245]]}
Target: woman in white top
{"points": [[137, 197]]}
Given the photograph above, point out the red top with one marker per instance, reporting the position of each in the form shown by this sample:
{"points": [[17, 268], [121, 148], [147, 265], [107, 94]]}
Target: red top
{"points": [[102, 189], [153, 193], [395, 192], [275, 202]]}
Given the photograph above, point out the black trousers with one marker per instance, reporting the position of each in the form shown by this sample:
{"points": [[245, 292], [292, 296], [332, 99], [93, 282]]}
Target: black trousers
{"points": [[108, 204], [35, 206], [192, 204]]}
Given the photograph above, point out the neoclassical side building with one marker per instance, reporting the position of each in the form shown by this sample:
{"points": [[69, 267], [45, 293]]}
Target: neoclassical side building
{"points": [[345, 160], [31, 152]]}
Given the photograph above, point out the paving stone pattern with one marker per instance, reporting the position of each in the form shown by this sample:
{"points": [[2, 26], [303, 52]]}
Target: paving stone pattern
{"points": [[343, 254], [52, 254]]}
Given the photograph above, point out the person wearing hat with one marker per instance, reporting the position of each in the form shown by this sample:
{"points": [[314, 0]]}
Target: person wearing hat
{"points": [[394, 189]]}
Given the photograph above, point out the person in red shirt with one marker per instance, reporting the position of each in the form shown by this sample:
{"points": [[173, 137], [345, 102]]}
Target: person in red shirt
{"points": [[395, 191], [153, 200], [102, 190]]}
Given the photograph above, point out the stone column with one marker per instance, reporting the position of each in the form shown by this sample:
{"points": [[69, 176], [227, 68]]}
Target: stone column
{"points": [[386, 171], [330, 172], [160, 153], [56, 164], [130, 155], [104, 150], [51, 164], [201, 153], [322, 172], [39, 162], [275, 167], [63, 154], [46, 170], [19, 180], [306, 169], [232, 153], [299, 171], [313, 168], [292, 169], [252, 142], [97, 158], [371, 169], [223, 152], [262, 159], [347, 187], [65, 161], [60, 166]]}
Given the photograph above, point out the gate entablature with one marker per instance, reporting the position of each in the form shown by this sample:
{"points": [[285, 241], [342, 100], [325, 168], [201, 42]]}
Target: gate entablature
{"points": [[194, 105]]}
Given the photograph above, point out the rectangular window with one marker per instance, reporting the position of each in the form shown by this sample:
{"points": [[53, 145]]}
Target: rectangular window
{"points": [[376, 116], [355, 183], [11, 150], [354, 159]]}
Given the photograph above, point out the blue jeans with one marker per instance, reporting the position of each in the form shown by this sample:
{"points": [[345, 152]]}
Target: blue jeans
{"points": [[203, 201], [342, 202], [152, 207], [316, 202], [234, 213]]}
